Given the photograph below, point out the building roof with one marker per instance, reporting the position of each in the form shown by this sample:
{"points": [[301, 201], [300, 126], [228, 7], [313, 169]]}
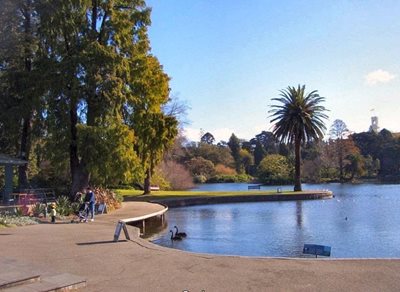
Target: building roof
{"points": [[7, 160]]}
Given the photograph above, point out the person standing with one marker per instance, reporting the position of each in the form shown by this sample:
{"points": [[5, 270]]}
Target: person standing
{"points": [[90, 200], [53, 212]]}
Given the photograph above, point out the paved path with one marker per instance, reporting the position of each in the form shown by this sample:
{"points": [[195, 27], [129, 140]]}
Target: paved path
{"points": [[137, 265]]}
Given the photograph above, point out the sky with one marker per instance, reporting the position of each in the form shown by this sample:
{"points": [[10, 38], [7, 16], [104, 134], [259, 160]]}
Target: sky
{"points": [[228, 58]]}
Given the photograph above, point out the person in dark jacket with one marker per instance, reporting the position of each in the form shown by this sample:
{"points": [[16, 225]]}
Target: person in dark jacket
{"points": [[90, 200]]}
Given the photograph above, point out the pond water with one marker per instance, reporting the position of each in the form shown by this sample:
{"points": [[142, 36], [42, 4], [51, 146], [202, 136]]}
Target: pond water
{"points": [[362, 221]]}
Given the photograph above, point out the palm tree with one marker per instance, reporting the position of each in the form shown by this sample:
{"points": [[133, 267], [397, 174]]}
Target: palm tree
{"points": [[298, 118]]}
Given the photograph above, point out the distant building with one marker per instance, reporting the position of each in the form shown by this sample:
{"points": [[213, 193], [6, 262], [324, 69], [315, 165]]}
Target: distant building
{"points": [[374, 125]]}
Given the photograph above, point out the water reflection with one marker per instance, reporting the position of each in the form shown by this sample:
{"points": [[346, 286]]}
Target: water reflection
{"points": [[299, 214], [361, 221], [151, 226]]}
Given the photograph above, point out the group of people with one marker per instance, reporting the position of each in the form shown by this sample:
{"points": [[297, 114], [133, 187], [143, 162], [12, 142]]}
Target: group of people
{"points": [[87, 206]]}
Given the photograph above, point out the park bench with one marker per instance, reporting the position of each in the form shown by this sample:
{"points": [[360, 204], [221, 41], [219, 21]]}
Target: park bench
{"points": [[317, 250]]}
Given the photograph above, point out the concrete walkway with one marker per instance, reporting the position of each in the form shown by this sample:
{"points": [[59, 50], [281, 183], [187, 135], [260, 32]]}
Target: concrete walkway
{"points": [[87, 250]]}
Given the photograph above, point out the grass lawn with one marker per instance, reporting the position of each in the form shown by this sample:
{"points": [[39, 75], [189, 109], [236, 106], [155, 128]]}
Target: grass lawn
{"points": [[158, 195]]}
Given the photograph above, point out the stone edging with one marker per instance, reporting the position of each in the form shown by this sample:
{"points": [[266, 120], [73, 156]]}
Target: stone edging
{"points": [[147, 216]]}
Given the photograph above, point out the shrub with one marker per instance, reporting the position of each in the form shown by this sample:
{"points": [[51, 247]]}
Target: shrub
{"points": [[110, 198], [200, 179], [158, 179], [19, 212], [119, 197], [177, 175], [243, 178], [8, 219], [274, 169], [199, 166], [221, 169], [63, 206], [230, 178], [75, 207], [38, 209]]}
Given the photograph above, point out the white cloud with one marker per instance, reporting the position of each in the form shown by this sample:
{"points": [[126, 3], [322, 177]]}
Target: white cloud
{"points": [[222, 134], [378, 76], [192, 134]]}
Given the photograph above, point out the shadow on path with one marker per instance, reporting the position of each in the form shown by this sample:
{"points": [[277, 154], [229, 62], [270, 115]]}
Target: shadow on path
{"points": [[100, 242]]}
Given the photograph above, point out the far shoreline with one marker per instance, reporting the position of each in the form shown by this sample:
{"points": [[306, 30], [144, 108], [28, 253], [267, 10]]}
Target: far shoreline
{"points": [[182, 199]]}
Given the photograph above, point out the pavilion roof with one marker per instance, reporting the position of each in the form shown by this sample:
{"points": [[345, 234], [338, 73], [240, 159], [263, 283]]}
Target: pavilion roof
{"points": [[7, 160]]}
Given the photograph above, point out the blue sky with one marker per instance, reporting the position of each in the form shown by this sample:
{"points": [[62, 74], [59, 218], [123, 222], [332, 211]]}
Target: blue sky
{"points": [[227, 59]]}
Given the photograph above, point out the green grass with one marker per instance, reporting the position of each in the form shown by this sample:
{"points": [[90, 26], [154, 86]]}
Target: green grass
{"points": [[158, 195]]}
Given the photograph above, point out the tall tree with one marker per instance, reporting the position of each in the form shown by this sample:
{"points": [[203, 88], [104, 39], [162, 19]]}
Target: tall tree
{"points": [[339, 132], [207, 138], [259, 153], [298, 117], [155, 130], [368, 142], [268, 141], [234, 145], [355, 167], [19, 106], [246, 161], [92, 53], [104, 94], [383, 148]]}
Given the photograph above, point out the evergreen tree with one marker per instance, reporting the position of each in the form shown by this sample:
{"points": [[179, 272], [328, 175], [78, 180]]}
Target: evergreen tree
{"points": [[259, 153], [234, 145], [19, 106], [96, 51], [101, 95], [207, 138]]}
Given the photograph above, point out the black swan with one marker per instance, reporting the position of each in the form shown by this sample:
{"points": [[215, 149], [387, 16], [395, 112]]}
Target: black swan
{"points": [[181, 234], [175, 237]]}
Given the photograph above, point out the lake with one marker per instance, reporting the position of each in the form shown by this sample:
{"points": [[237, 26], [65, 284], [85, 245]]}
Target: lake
{"points": [[362, 221]]}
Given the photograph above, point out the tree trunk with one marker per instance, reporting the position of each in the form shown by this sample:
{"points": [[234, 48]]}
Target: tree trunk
{"points": [[297, 153], [147, 180], [340, 155], [27, 117], [80, 180], [24, 152], [79, 176]]}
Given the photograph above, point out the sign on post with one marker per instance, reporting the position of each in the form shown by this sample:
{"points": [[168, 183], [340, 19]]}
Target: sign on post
{"points": [[317, 250], [117, 230], [121, 225]]}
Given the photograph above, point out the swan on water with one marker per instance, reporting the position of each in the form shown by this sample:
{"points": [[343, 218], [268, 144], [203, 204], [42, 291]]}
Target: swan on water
{"points": [[175, 237], [180, 234]]}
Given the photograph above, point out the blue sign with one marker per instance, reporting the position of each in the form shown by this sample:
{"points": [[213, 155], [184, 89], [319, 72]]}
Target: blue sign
{"points": [[317, 250]]}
